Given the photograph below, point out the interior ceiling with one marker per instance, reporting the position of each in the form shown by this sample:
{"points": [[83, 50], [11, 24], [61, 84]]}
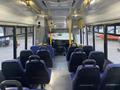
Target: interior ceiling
{"points": [[58, 10], [103, 11], [12, 11]]}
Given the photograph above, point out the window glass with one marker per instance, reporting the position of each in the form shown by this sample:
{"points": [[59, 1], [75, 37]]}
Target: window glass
{"points": [[20, 41], [110, 30], [6, 45], [101, 29], [118, 30]]}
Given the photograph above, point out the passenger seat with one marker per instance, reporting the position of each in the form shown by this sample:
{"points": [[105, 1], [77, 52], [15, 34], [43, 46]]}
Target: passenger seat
{"points": [[111, 78], [70, 50], [12, 70], [45, 56], [99, 57], [87, 76], [37, 72], [24, 56], [87, 49], [76, 59]]}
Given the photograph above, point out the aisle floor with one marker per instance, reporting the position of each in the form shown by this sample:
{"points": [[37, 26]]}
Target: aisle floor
{"points": [[60, 79]]}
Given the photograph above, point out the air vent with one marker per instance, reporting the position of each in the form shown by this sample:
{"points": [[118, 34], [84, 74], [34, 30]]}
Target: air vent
{"points": [[44, 3]]}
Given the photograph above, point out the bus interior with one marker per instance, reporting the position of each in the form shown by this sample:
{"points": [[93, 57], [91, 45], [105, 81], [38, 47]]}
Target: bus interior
{"points": [[59, 44]]}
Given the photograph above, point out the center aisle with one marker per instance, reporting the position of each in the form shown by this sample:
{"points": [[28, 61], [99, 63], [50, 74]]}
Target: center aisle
{"points": [[60, 79]]}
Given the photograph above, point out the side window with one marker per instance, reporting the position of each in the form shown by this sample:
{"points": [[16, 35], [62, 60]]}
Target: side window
{"points": [[1, 31], [110, 30], [118, 30], [101, 29]]}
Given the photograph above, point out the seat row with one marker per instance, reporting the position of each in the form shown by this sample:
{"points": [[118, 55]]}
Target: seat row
{"points": [[86, 49], [34, 73], [88, 77], [49, 48], [88, 71], [43, 54], [78, 55]]}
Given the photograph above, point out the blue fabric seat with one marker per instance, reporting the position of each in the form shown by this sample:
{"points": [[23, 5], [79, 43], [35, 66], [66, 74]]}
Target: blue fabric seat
{"points": [[99, 57], [13, 70], [87, 49], [78, 50], [24, 56], [34, 49], [51, 49], [37, 72], [45, 56], [70, 50], [111, 78], [34, 57], [76, 59], [87, 77]]}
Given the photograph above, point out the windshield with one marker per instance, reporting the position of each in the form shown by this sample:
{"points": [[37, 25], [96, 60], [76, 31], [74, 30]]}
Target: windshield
{"points": [[61, 36]]}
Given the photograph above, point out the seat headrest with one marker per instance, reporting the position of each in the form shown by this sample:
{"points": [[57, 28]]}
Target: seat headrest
{"points": [[25, 53], [78, 50], [33, 57], [43, 48], [34, 47], [42, 51], [113, 67], [96, 54], [36, 63], [75, 54], [11, 63], [89, 62]]}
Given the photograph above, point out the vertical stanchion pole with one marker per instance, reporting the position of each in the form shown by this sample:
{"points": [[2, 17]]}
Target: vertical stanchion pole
{"points": [[14, 43], [26, 37], [83, 36], [33, 35], [50, 37], [80, 36], [86, 36], [93, 30], [105, 42]]}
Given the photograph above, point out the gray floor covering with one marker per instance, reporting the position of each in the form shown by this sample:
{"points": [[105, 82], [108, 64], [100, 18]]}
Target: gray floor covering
{"points": [[60, 79]]}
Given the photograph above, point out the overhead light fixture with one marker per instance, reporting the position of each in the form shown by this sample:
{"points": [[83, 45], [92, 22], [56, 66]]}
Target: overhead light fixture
{"points": [[92, 1], [86, 2], [30, 4], [75, 15], [26, 2], [22, 2]]}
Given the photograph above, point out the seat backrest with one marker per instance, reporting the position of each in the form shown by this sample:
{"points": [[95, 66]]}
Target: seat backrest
{"points": [[87, 77], [98, 57], [24, 56], [34, 49], [76, 59], [51, 50], [33, 57], [37, 72], [78, 50], [70, 50], [88, 49], [111, 78], [45, 56], [12, 70]]}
